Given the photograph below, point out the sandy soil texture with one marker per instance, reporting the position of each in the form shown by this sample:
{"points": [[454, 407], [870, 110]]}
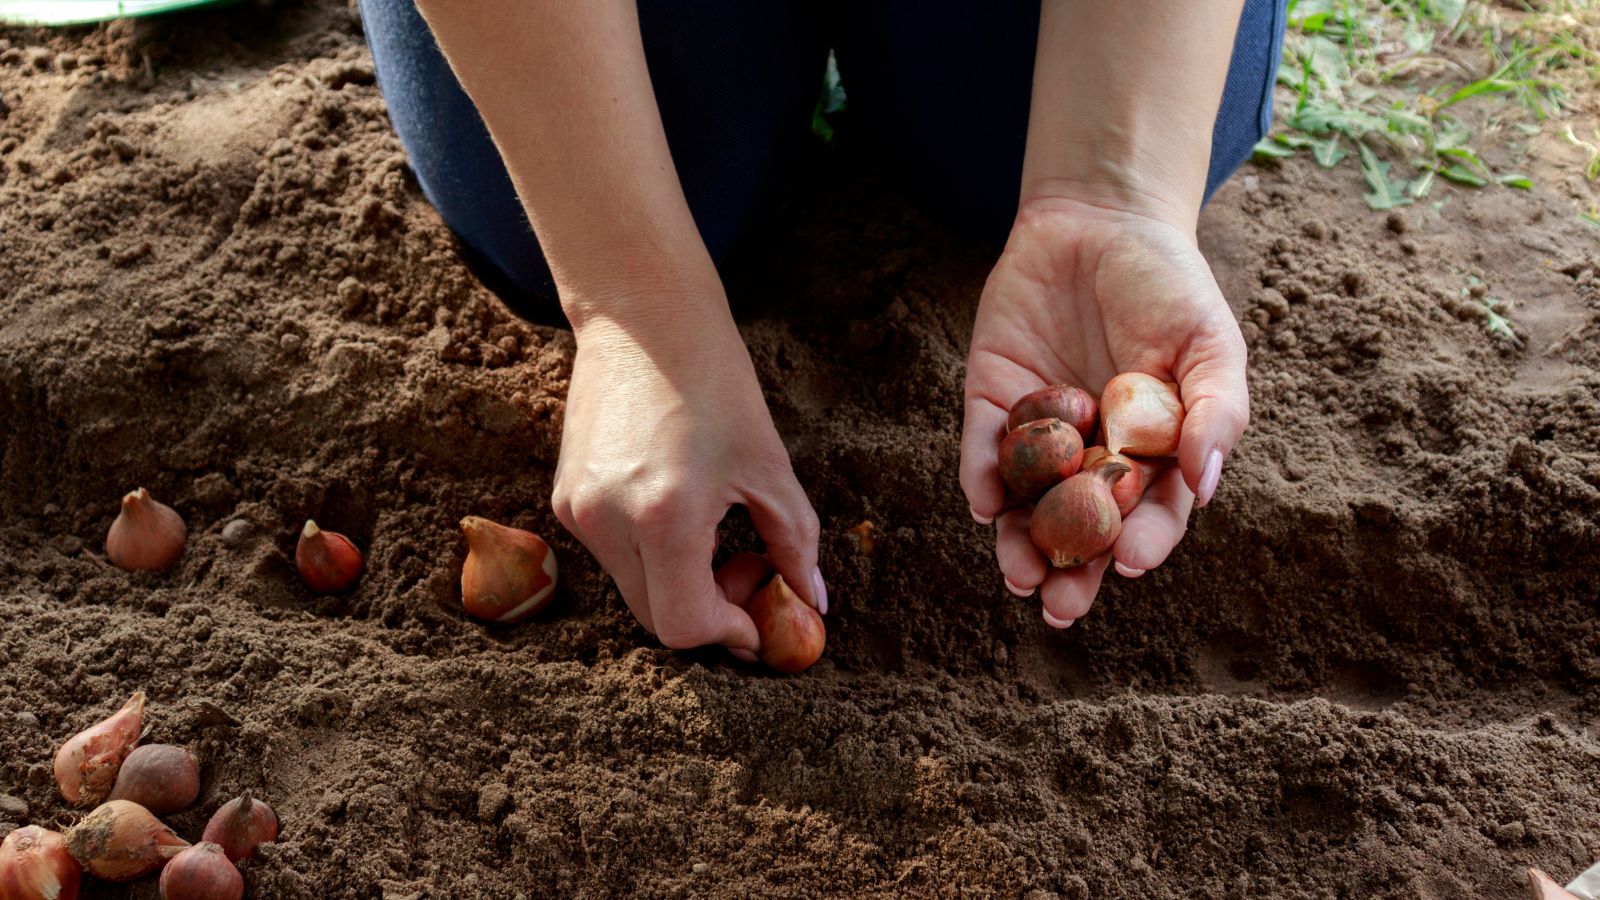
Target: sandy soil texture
{"points": [[1372, 670]]}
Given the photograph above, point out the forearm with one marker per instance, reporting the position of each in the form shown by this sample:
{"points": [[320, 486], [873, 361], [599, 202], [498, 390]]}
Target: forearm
{"points": [[1125, 93], [566, 95]]}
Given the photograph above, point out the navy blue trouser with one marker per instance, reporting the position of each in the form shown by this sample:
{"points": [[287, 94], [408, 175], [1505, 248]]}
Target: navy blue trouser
{"points": [[939, 87]]}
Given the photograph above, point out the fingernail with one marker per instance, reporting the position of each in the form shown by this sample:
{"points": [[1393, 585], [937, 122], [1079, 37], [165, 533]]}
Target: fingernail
{"points": [[742, 655], [1054, 622], [981, 520], [1209, 476], [1019, 591], [821, 591], [1127, 571]]}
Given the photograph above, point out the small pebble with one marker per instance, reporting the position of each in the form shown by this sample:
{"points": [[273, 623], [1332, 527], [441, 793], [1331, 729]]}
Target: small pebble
{"points": [[13, 808], [1397, 223], [234, 533], [291, 342], [1315, 229], [700, 868], [27, 719]]}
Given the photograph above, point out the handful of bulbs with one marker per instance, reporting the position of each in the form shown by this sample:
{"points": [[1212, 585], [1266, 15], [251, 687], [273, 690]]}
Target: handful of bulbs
{"points": [[1080, 494]]}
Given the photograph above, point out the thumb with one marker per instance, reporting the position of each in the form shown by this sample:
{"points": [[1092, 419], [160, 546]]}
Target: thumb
{"points": [[789, 526], [1216, 404]]}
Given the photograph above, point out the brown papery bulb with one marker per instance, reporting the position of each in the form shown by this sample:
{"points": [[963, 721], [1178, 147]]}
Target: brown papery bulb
{"points": [[159, 777], [792, 633], [35, 865], [202, 872], [1143, 415], [1072, 405], [121, 841], [328, 562], [146, 536], [1038, 455], [510, 574], [240, 825], [1129, 489], [1543, 887], [1078, 520], [86, 765]]}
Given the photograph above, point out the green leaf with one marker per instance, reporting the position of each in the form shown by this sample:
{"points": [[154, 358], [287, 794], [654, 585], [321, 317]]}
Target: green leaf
{"points": [[1385, 194], [1328, 152], [1517, 181], [1268, 148], [1462, 175], [1420, 185]]}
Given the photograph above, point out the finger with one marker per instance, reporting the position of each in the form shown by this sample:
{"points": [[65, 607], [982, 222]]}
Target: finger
{"points": [[1155, 526], [1067, 594], [740, 576], [617, 558], [1020, 561], [789, 526], [981, 430], [1216, 403], [689, 607]]}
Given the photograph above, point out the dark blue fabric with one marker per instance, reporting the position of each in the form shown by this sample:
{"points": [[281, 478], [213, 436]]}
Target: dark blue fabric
{"points": [[939, 88]]}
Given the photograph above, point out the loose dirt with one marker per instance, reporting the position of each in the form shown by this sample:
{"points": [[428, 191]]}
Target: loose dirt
{"points": [[1371, 670]]}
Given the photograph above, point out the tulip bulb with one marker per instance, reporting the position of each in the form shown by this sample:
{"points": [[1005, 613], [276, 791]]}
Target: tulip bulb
{"points": [[1129, 489], [792, 633], [159, 777], [510, 574], [1543, 887], [146, 536], [240, 825], [1072, 405], [201, 872], [86, 765], [1143, 415], [328, 562], [1038, 455], [1078, 520], [35, 865], [121, 841]]}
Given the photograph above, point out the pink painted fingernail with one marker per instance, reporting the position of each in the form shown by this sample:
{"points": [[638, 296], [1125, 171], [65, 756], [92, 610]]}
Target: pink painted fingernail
{"points": [[742, 654], [1209, 477], [1127, 571], [821, 591], [1054, 622], [981, 520], [1020, 592]]}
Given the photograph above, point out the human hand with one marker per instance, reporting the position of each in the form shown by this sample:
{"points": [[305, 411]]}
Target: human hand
{"points": [[1084, 292], [665, 430]]}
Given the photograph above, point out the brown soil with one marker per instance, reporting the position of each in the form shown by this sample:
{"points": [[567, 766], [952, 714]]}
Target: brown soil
{"points": [[1372, 669]]}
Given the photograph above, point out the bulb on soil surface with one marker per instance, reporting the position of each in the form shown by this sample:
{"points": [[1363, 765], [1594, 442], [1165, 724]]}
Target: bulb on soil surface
{"points": [[1543, 887], [35, 865], [146, 536], [792, 633], [121, 841], [201, 872], [1074, 406], [1130, 487], [1143, 415], [1038, 455], [1078, 520], [510, 574], [160, 777], [327, 561], [240, 825], [86, 765]]}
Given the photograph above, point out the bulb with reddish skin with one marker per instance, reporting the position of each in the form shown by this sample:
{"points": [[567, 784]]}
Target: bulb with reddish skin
{"points": [[792, 633], [86, 765], [35, 865], [1078, 520], [328, 562], [146, 536], [240, 825], [509, 575], [1072, 405], [1039, 455], [159, 777], [122, 841], [1543, 887], [1142, 414], [1129, 489], [202, 872]]}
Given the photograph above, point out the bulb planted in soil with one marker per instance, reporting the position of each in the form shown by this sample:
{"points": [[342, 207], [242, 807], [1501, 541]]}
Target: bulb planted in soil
{"points": [[792, 633], [86, 766], [146, 535], [1072, 405], [1078, 520], [35, 865], [202, 872], [122, 841], [160, 777], [509, 575], [240, 825], [328, 562], [1038, 455]]}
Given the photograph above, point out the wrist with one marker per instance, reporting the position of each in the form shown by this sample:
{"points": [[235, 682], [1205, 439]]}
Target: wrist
{"points": [[1119, 176]]}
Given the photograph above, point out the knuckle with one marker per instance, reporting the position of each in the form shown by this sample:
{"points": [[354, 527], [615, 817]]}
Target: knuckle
{"points": [[661, 510], [809, 526]]}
